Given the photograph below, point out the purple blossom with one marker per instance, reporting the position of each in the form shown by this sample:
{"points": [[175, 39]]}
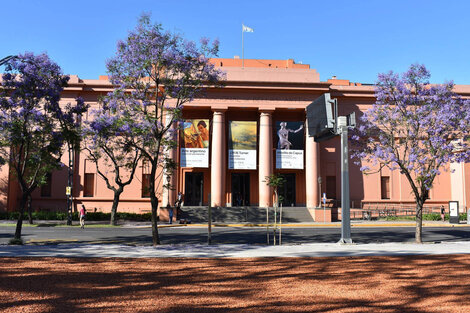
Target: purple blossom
{"points": [[412, 126]]}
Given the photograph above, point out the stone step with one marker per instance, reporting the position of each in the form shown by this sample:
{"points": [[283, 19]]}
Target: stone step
{"points": [[244, 215]]}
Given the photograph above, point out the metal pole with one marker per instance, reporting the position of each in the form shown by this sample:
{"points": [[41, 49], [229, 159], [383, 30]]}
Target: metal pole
{"points": [[275, 225], [345, 218], [243, 55], [319, 180], [267, 225], [70, 184], [209, 223], [280, 226]]}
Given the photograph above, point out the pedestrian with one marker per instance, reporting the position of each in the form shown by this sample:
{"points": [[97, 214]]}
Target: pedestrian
{"points": [[443, 213], [170, 214], [82, 216], [179, 199]]}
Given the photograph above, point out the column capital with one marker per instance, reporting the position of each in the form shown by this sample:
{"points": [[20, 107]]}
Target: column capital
{"points": [[219, 110], [266, 110]]}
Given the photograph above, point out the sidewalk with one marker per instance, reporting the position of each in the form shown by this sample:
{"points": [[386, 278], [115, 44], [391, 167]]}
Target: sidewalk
{"points": [[354, 223], [233, 250]]}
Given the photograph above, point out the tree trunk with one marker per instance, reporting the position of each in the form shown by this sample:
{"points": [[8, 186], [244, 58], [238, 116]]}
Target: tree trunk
{"points": [[117, 195], [30, 210], [419, 222], [154, 203], [19, 223]]}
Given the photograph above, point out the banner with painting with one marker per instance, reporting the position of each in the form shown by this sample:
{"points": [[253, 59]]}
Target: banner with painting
{"points": [[242, 145], [195, 135], [290, 145]]}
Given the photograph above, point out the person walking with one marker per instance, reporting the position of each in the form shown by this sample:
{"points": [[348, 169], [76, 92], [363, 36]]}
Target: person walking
{"points": [[82, 216], [443, 213]]}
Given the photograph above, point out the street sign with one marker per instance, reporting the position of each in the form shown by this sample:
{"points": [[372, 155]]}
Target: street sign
{"points": [[324, 198], [68, 191], [322, 115]]}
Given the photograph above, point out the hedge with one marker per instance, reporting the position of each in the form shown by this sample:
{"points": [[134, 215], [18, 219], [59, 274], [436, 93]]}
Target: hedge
{"points": [[90, 216]]}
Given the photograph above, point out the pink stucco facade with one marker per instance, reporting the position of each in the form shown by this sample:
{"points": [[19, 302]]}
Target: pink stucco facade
{"points": [[265, 92]]}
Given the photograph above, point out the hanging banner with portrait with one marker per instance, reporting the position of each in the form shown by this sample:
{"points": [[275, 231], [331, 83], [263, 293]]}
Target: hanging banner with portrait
{"points": [[195, 135], [242, 145], [290, 145]]}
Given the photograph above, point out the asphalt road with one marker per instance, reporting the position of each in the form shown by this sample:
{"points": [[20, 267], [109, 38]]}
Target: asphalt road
{"points": [[229, 235]]}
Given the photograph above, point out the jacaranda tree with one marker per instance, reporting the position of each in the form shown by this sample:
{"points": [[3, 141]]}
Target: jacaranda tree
{"points": [[33, 126], [115, 159], [155, 73], [416, 128]]}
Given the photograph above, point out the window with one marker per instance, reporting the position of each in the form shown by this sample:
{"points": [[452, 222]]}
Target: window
{"points": [[89, 185], [145, 185], [46, 189], [385, 187], [331, 187]]}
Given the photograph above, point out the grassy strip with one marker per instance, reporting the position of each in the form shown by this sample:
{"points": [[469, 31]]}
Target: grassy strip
{"points": [[60, 225], [426, 217], [90, 216]]}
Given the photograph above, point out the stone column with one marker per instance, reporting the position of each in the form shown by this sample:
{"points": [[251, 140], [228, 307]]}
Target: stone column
{"points": [[265, 167], [312, 171], [217, 159]]}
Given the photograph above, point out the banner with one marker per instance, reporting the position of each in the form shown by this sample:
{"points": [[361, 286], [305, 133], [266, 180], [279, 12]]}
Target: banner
{"points": [[242, 145], [290, 145], [196, 143]]}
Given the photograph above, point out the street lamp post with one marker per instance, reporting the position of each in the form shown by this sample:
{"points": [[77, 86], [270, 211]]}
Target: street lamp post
{"points": [[319, 191], [168, 178], [168, 206]]}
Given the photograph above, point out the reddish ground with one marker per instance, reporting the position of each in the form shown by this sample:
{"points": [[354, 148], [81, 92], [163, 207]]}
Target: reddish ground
{"points": [[345, 284]]}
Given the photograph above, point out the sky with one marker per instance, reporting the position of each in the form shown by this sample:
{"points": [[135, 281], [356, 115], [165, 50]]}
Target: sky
{"points": [[352, 40]]}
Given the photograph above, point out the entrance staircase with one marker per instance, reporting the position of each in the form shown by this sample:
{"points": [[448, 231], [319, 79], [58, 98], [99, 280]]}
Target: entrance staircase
{"points": [[250, 215]]}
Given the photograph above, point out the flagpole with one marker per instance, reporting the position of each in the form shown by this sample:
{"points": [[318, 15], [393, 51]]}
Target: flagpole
{"points": [[243, 52]]}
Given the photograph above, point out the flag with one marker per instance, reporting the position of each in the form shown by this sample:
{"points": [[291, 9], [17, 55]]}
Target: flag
{"points": [[247, 29]]}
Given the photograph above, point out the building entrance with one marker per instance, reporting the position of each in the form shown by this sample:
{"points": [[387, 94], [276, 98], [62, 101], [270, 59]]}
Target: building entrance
{"points": [[240, 189], [287, 190], [193, 188]]}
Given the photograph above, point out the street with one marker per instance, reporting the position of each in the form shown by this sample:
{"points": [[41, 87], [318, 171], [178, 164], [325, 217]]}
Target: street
{"points": [[228, 235]]}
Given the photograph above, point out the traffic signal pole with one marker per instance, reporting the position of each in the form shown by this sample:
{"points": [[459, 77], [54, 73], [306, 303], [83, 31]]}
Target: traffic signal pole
{"points": [[345, 209]]}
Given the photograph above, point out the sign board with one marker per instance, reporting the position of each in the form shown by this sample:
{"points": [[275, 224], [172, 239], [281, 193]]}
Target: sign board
{"points": [[324, 198], [454, 212], [242, 141], [195, 134], [322, 116], [290, 145], [68, 191]]}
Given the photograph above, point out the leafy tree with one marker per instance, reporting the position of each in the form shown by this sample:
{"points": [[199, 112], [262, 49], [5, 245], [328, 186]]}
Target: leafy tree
{"points": [[33, 126], [415, 127], [275, 181], [155, 73], [111, 153]]}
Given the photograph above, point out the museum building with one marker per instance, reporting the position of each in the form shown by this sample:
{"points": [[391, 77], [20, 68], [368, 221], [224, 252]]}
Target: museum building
{"points": [[233, 137]]}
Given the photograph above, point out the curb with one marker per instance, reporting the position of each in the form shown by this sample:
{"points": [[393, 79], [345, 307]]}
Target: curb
{"points": [[290, 225], [336, 225]]}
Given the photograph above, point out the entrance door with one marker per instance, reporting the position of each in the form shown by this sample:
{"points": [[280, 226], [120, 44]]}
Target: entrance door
{"points": [[193, 188], [287, 190], [240, 189]]}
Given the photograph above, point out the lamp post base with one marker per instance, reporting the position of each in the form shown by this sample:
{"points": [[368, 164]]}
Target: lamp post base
{"points": [[345, 241]]}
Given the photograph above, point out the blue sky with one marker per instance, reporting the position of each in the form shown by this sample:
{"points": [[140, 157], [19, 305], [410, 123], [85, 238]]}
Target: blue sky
{"points": [[353, 40]]}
